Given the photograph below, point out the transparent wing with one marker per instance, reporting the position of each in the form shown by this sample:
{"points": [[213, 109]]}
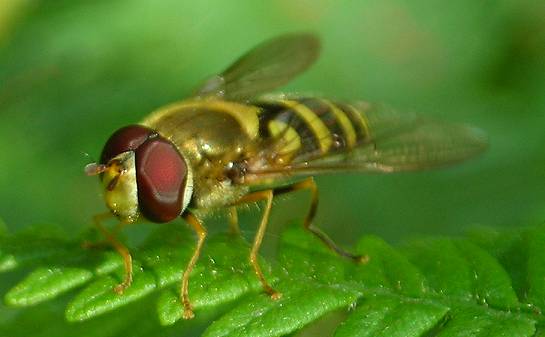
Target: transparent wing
{"points": [[396, 142], [428, 145], [268, 66]]}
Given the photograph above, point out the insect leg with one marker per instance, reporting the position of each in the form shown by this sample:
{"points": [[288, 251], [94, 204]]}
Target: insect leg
{"points": [[121, 249], [201, 233], [233, 220], [266, 195], [310, 184]]}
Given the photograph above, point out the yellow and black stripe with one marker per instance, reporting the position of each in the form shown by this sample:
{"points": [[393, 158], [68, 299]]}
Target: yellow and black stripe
{"points": [[312, 125]]}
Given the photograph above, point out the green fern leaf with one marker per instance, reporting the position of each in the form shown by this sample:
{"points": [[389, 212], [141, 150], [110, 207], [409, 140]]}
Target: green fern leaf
{"points": [[46, 283], [392, 316], [489, 283]]}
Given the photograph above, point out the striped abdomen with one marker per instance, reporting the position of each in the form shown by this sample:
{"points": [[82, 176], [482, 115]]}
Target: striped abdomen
{"points": [[311, 126]]}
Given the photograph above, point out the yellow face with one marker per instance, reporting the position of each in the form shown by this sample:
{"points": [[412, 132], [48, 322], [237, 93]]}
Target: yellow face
{"points": [[120, 188]]}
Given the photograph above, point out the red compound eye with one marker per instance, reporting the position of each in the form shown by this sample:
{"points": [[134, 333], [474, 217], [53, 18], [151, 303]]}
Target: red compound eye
{"points": [[125, 139], [161, 175]]}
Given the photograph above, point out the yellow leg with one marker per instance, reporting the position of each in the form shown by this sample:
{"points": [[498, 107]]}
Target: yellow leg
{"points": [[266, 195], [310, 184], [233, 220], [201, 234], [121, 249]]}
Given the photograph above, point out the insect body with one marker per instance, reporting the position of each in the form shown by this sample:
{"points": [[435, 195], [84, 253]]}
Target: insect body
{"points": [[229, 145]]}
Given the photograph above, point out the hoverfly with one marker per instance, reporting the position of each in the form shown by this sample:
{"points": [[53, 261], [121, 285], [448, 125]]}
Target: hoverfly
{"points": [[229, 144]]}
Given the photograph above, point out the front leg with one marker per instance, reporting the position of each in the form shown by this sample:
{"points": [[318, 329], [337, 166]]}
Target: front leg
{"points": [[121, 249]]}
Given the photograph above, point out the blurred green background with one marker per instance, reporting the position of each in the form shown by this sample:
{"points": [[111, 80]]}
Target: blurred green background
{"points": [[72, 72]]}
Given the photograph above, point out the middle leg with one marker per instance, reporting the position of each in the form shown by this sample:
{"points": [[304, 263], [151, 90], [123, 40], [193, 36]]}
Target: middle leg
{"points": [[233, 220], [184, 292], [266, 195]]}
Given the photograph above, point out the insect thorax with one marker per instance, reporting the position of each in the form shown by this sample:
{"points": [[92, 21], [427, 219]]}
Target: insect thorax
{"points": [[214, 137]]}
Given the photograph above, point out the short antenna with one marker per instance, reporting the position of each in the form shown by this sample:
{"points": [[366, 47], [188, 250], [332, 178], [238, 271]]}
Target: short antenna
{"points": [[94, 169]]}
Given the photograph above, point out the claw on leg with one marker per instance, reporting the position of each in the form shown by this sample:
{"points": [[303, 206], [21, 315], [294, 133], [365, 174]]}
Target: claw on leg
{"points": [[188, 313], [363, 259]]}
